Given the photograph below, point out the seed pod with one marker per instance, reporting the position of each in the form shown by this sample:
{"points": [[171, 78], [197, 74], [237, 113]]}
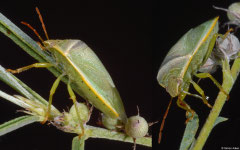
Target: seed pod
{"points": [[234, 11], [82, 110], [136, 127], [226, 48], [210, 66]]}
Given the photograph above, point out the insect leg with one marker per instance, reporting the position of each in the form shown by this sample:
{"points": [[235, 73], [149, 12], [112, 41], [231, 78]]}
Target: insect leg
{"points": [[73, 97], [211, 46], [35, 65], [208, 75], [182, 104], [52, 91], [201, 92], [194, 95]]}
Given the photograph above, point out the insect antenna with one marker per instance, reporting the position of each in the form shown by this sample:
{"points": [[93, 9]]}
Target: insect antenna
{"points": [[163, 121], [43, 25], [34, 30]]}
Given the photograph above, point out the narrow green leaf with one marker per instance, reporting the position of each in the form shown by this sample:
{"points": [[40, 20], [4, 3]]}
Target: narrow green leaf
{"points": [[190, 132], [27, 43], [22, 88], [78, 144], [14, 100], [219, 120], [192, 145], [15, 83], [17, 123], [22, 40]]}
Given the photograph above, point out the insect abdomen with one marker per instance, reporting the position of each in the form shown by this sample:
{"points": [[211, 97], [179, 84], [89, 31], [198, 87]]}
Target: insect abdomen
{"points": [[90, 77]]}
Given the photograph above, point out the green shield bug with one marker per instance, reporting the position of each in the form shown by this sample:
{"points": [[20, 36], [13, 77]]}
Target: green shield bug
{"points": [[183, 62], [84, 69]]}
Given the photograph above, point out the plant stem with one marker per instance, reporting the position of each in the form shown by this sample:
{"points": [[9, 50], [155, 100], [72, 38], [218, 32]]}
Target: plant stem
{"points": [[229, 78], [95, 132]]}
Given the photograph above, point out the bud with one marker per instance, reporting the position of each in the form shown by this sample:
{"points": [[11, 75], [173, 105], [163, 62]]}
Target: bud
{"points": [[82, 110], [136, 127], [234, 11]]}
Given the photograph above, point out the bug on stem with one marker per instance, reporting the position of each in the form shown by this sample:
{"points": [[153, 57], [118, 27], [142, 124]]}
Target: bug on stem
{"points": [[183, 62], [84, 69]]}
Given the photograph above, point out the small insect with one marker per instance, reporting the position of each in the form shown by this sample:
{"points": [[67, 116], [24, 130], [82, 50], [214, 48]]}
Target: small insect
{"points": [[183, 62], [83, 69]]}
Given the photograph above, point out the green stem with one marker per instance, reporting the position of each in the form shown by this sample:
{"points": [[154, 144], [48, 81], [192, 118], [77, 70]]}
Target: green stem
{"points": [[229, 78], [95, 132]]}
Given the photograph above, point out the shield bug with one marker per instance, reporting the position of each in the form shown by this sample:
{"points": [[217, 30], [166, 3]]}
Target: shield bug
{"points": [[83, 69], [183, 62]]}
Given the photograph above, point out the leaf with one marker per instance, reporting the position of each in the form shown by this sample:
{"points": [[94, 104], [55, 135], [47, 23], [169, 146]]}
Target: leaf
{"points": [[27, 44], [17, 123], [78, 143], [22, 40], [16, 84], [189, 133], [191, 130], [219, 120], [14, 100], [23, 89]]}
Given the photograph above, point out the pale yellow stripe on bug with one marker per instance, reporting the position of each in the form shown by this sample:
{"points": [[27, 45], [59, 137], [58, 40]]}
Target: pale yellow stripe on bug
{"points": [[101, 98], [199, 45]]}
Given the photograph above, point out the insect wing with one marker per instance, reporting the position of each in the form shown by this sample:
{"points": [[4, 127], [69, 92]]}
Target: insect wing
{"points": [[179, 60], [96, 76]]}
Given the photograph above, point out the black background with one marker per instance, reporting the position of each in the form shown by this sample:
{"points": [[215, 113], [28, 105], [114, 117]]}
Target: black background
{"points": [[131, 38], [172, 23], [119, 33]]}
